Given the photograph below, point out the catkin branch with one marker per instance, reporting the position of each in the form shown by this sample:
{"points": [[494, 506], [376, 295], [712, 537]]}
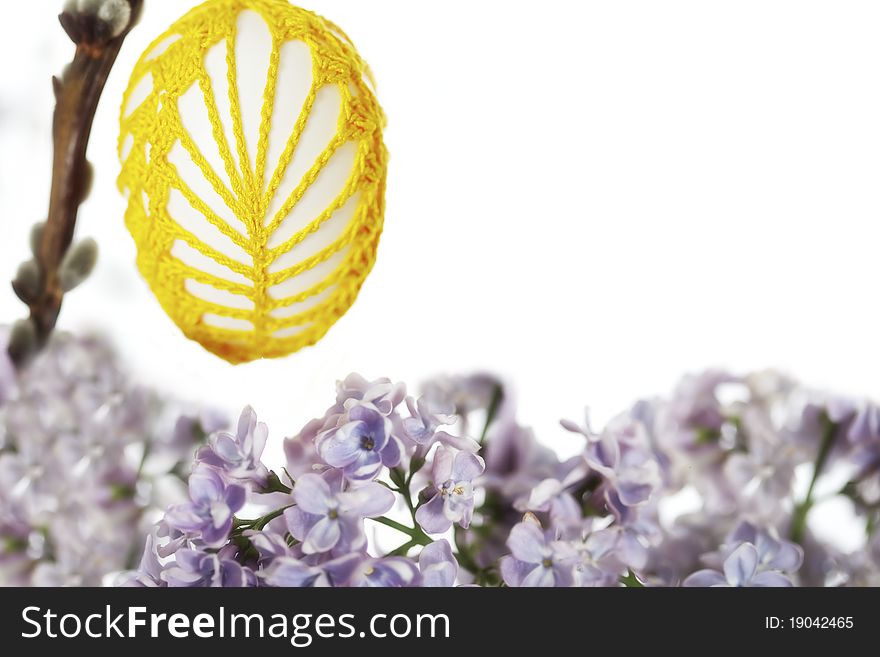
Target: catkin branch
{"points": [[98, 28]]}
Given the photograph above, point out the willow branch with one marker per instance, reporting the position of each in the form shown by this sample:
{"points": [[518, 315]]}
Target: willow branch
{"points": [[77, 92]]}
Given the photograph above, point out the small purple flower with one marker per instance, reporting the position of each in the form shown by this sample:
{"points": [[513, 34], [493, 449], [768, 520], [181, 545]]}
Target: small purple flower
{"points": [[516, 462], [623, 456], [238, 457], [296, 573], [427, 417], [694, 416], [552, 496], [537, 559], [327, 518], [191, 428], [599, 563], [438, 566], [193, 568], [270, 546], [865, 426], [176, 538], [773, 553], [210, 511], [361, 445], [453, 502], [381, 393], [467, 394], [740, 570], [300, 451], [388, 572]]}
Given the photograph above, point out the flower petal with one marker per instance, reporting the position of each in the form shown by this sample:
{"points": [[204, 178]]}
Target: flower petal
{"points": [[365, 467], [514, 571], [367, 501], [340, 447], [431, 517], [441, 470], [235, 497], [771, 579], [289, 572], [435, 553], [526, 542], [246, 422], [205, 485], [467, 466], [739, 567], [789, 557], [299, 523], [340, 570], [312, 494], [391, 453], [705, 578], [322, 537], [539, 577], [458, 442]]}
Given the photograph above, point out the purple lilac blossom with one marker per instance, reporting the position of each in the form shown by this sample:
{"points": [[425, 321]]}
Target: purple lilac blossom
{"points": [[426, 417], [293, 572], [388, 572], [87, 459], [438, 565], [452, 476], [361, 444], [740, 569], [194, 568], [237, 457], [326, 517], [773, 552], [537, 559], [604, 518], [384, 395], [209, 513]]}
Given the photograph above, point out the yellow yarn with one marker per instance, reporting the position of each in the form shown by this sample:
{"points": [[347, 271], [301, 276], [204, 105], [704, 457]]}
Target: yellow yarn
{"points": [[149, 132]]}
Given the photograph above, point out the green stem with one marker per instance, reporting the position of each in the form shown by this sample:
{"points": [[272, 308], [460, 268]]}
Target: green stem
{"points": [[148, 447], [403, 550], [388, 522], [275, 485], [407, 498], [799, 518], [492, 410], [631, 581], [416, 535], [259, 523]]}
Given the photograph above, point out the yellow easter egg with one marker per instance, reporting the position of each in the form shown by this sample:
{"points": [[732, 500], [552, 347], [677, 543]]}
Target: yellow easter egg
{"points": [[252, 157]]}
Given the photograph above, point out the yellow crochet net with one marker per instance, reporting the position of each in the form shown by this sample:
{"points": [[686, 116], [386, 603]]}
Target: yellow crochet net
{"points": [[256, 306]]}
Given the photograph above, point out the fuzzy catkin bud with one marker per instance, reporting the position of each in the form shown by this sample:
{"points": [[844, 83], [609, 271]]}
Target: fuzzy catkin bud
{"points": [[116, 13], [78, 263], [28, 281], [112, 18], [22, 341]]}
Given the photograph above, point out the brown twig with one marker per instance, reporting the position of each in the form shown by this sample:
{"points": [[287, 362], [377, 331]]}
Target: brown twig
{"points": [[98, 40]]}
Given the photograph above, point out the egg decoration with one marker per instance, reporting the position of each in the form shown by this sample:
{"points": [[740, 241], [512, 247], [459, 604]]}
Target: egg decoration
{"points": [[252, 157]]}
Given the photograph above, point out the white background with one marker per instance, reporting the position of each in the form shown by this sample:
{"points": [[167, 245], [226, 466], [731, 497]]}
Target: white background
{"points": [[590, 198]]}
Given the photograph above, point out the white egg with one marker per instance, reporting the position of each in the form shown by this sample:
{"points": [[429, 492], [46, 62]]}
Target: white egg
{"points": [[252, 152]]}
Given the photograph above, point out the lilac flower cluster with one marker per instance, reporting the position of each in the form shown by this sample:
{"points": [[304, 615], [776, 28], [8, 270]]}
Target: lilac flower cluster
{"points": [[472, 498], [360, 462], [88, 460]]}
